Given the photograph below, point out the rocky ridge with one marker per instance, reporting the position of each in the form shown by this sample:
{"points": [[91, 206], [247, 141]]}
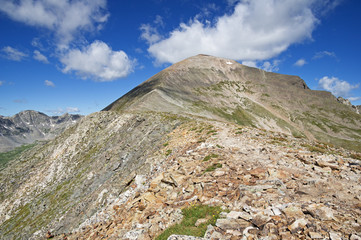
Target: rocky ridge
{"points": [[29, 126], [206, 131], [223, 89], [274, 185]]}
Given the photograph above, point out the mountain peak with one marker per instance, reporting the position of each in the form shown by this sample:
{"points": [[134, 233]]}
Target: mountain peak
{"points": [[219, 88]]}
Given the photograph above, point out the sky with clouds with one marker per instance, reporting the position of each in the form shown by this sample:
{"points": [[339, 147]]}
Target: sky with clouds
{"points": [[59, 56]]}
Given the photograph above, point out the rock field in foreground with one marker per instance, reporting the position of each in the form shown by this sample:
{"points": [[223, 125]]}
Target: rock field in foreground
{"points": [[273, 186]]}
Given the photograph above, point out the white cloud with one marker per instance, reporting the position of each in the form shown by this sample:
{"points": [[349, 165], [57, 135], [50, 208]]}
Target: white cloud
{"points": [[2, 83], [61, 111], [40, 57], [322, 54], [149, 33], [250, 63], [336, 86], [354, 98], [269, 66], [13, 54], [256, 30], [300, 62], [49, 83], [65, 18], [98, 61]]}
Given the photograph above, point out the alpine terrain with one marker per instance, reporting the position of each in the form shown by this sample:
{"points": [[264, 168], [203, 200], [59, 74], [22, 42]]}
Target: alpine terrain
{"points": [[29, 126], [207, 148]]}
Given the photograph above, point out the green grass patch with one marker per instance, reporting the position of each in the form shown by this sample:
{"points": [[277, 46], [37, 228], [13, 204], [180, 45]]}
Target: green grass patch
{"points": [[211, 131], [190, 217], [213, 167], [208, 157], [165, 144], [314, 148], [6, 157], [168, 152]]}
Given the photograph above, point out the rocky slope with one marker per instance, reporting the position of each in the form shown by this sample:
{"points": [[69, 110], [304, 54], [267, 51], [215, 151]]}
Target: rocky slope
{"points": [[28, 126], [220, 88], [172, 143]]}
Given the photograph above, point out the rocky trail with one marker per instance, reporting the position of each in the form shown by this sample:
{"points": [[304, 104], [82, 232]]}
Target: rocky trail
{"points": [[270, 185]]}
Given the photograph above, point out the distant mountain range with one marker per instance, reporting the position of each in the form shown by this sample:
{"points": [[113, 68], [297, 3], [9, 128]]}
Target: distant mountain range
{"points": [[29, 126]]}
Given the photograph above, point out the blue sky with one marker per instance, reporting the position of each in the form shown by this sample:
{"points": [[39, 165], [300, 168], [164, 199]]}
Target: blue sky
{"points": [[79, 56]]}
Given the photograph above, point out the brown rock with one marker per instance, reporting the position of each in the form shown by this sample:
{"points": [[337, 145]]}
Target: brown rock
{"points": [[298, 225], [258, 172], [293, 212], [232, 224], [322, 163], [49, 235], [260, 219], [320, 211]]}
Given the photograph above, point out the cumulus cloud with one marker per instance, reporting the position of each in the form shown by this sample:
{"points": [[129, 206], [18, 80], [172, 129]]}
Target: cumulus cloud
{"points": [[300, 62], [49, 83], [40, 57], [322, 54], [13, 54], [336, 86], [97, 61], [255, 30], [65, 18]]}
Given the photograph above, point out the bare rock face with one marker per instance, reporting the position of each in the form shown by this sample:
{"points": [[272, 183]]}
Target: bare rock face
{"points": [[29, 126], [344, 101]]}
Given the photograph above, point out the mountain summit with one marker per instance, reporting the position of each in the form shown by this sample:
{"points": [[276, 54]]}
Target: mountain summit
{"points": [[223, 89]]}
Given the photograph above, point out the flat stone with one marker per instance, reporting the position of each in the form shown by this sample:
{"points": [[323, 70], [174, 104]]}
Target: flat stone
{"points": [[335, 236], [355, 237], [315, 235], [298, 225], [200, 221], [183, 237], [322, 163], [237, 215], [320, 211], [232, 224], [293, 212]]}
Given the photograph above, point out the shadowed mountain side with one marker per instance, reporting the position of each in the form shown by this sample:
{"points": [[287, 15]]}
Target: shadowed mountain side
{"points": [[224, 89]]}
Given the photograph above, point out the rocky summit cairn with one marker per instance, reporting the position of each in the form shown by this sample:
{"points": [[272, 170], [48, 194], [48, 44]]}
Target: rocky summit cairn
{"points": [[207, 148]]}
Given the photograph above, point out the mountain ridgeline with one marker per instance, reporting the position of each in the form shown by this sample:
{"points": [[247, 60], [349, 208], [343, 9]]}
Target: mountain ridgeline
{"points": [[282, 158], [223, 89], [29, 126]]}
